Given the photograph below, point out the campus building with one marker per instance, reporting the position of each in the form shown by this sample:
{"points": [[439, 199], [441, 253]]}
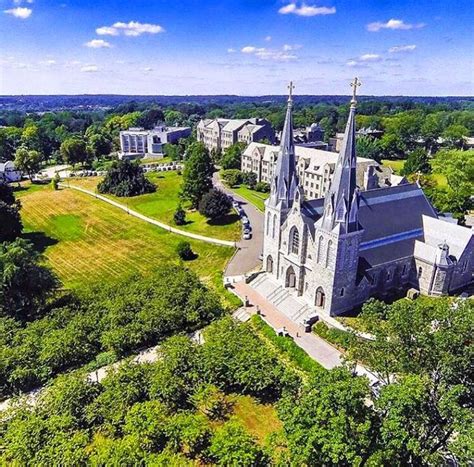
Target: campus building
{"points": [[137, 142], [220, 133], [315, 168], [335, 252]]}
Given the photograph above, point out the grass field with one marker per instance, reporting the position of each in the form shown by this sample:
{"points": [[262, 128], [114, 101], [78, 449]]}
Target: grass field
{"points": [[396, 165], [259, 419], [88, 241], [162, 204], [252, 196]]}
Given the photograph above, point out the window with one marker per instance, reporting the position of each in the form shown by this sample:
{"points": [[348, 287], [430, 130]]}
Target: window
{"points": [[268, 223], [342, 292], [404, 270], [294, 241], [274, 225], [388, 276], [373, 279], [328, 252], [420, 272], [464, 265], [320, 246]]}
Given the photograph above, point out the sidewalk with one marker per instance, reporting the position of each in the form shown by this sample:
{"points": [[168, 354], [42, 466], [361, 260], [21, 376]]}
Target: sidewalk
{"points": [[317, 348]]}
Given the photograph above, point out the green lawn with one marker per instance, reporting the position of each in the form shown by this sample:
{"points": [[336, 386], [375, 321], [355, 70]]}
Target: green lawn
{"points": [[88, 241], [252, 196], [162, 204], [395, 165]]}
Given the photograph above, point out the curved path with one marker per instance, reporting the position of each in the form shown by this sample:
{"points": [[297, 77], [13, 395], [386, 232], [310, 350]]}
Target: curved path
{"points": [[216, 241], [246, 258]]}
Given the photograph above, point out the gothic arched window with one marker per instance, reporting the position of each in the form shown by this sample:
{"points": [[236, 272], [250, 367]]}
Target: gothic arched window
{"points": [[328, 252], [320, 249], [294, 240], [274, 226], [269, 217]]}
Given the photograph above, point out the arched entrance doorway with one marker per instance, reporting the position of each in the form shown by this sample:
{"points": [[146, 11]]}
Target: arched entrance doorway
{"points": [[269, 264], [320, 297], [290, 278]]}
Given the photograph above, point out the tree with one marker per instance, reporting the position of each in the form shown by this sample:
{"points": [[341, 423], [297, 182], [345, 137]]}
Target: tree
{"points": [[232, 177], [74, 151], [179, 216], [250, 179], [24, 283], [370, 148], [6, 193], [28, 161], [417, 161], [10, 222], [197, 175], [232, 445], [423, 349], [329, 421], [184, 251], [99, 145], [215, 204], [455, 135], [458, 168], [233, 156], [125, 178], [211, 402]]}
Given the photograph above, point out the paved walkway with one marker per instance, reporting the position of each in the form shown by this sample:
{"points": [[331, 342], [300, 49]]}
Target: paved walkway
{"points": [[316, 347], [216, 241], [246, 259]]}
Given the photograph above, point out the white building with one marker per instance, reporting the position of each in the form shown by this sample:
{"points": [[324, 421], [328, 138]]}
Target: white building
{"points": [[315, 168], [220, 133], [8, 173], [137, 142]]}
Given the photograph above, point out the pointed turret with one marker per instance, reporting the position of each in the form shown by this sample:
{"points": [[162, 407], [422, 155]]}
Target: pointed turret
{"points": [[285, 182], [342, 199]]}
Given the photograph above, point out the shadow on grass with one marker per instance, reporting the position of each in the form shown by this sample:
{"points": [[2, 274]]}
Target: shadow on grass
{"points": [[225, 220], [40, 240]]}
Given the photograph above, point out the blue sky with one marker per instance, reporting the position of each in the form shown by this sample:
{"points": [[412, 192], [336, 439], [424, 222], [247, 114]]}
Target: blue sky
{"points": [[247, 47]]}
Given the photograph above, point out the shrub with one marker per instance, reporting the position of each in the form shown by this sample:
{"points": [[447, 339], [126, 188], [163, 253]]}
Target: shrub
{"points": [[125, 179], [179, 216], [10, 222], [184, 251], [55, 182], [215, 204], [232, 177], [250, 179], [263, 187]]}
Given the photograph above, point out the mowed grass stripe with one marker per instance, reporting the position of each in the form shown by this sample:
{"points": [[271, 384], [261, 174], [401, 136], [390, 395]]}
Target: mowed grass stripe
{"points": [[104, 243]]}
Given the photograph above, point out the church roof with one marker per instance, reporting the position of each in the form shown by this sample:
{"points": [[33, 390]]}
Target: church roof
{"points": [[384, 214]]}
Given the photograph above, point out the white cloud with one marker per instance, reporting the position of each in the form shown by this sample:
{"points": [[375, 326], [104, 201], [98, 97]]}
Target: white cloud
{"points": [[147, 69], [288, 47], [278, 55], [98, 44], [132, 29], [89, 69], [370, 58], [19, 12], [19, 2], [230, 50], [402, 48], [352, 63], [49, 62], [268, 38], [306, 10], [393, 24], [107, 31]]}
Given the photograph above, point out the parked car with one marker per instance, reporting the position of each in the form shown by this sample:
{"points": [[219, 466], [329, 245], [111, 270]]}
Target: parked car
{"points": [[247, 235]]}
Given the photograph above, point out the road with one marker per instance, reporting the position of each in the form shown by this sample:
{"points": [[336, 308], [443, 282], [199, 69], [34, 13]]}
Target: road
{"points": [[247, 256]]}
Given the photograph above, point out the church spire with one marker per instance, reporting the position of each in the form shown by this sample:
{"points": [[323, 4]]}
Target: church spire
{"points": [[286, 179], [342, 199]]}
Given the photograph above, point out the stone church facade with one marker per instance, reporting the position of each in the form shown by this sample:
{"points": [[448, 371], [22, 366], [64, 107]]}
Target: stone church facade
{"points": [[336, 252]]}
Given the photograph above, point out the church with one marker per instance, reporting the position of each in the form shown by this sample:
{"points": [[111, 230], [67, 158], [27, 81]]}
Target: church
{"points": [[336, 252]]}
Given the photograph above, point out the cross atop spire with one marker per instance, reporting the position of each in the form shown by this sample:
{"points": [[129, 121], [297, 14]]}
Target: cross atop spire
{"points": [[355, 84], [290, 94]]}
